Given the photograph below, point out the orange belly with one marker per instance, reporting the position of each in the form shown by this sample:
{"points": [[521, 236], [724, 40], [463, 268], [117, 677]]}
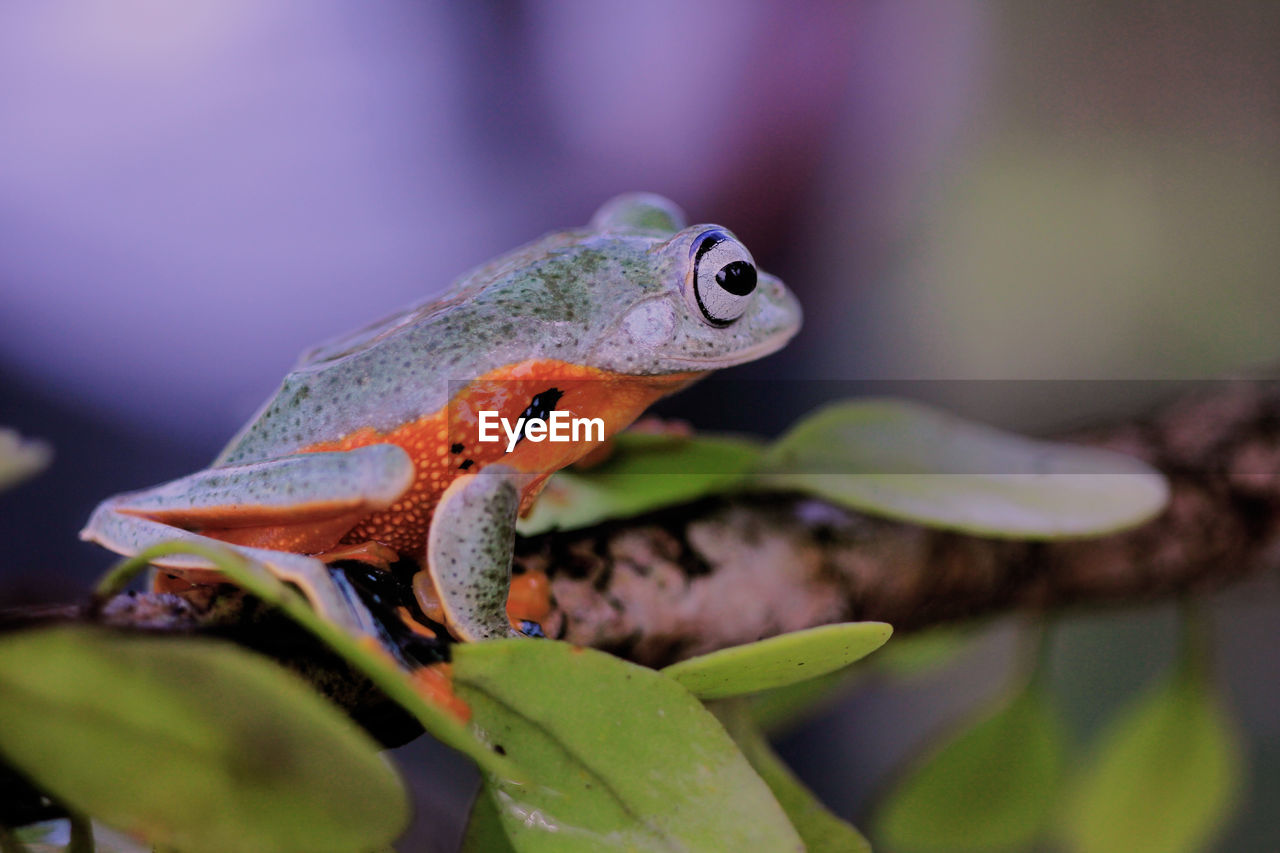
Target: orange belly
{"points": [[445, 444]]}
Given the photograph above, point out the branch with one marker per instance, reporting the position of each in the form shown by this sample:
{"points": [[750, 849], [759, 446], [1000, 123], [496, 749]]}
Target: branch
{"points": [[716, 573], [720, 573]]}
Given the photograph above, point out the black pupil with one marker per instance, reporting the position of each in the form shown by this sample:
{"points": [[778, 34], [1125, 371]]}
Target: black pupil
{"points": [[739, 278]]}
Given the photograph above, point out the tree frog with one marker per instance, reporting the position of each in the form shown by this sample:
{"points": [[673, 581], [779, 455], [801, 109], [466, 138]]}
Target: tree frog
{"points": [[371, 448]]}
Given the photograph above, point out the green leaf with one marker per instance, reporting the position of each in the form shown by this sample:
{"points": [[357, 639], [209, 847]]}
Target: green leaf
{"points": [[619, 755], [645, 472], [484, 827], [990, 787], [191, 743], [908, 655], [779, 661], [821, 831], [20, 458], [910, 462], [1163, 777], [364, 657]]}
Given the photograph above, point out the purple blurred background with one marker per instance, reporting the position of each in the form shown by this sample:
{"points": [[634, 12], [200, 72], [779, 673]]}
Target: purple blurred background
{"points": [[191, 194]]}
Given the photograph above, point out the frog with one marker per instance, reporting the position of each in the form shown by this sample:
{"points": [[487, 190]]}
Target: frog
{"points": [[371, 448]]}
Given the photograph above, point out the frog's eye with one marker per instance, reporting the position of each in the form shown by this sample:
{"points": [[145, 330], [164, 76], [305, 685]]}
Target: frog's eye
{"points": [[724, 275]]}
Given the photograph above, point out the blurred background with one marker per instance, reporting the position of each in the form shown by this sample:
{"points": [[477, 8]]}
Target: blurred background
{"points": [[192, 194]]}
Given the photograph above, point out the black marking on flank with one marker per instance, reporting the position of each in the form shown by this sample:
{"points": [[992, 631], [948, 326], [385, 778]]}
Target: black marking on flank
{"points": [[467, 463], [542, 405], [455, 448], [539, 408]]}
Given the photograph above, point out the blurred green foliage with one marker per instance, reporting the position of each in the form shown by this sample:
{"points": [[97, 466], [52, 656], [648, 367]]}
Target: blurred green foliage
{"points": [[196, 745], [780, 661], [1164, 774], [191, 744], [20, 458], [890, 458]]}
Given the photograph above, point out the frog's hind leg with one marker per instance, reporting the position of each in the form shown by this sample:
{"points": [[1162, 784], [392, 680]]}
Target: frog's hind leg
{"points": [[126, 535], [304, 502], [469, 550]]}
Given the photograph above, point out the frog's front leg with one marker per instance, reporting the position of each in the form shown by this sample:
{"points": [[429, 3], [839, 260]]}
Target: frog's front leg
{"points": [[267, 511], [469, 551]]}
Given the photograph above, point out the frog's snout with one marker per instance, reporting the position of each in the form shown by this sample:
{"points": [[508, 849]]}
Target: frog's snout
{"points": [[780, 310]]}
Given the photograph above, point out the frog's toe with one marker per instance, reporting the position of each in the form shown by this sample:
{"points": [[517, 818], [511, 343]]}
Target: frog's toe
{"points": [[529, 628]]}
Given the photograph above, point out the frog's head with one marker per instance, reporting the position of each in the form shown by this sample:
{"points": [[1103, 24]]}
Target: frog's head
{"points": [[702, 303]]}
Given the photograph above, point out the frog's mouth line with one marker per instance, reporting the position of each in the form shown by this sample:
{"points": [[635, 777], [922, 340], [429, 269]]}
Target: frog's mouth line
{"points": [[766, 347]]}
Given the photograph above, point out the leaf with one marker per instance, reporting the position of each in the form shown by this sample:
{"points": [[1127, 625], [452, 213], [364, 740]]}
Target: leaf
{"points": [[191, 743], [779, 661], [20, 458], [897, 459], [1163, 776], [990, 787], [821, 831], [644, 473], [909, 655], [620, 756], [367, 658], [484, 827], [907, 461]]}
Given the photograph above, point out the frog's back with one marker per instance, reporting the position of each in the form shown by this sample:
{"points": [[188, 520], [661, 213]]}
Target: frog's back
{"points": [[529, 303]]}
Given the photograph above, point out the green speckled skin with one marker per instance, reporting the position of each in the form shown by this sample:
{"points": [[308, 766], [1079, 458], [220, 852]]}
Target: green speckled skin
{"points": [[623, 295], [567, 296], [471, 547]]}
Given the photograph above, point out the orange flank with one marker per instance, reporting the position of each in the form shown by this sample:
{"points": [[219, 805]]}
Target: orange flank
{"points": [[445, 444], [530, 598], [307, 528], [177, 584], [435, 684]]}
